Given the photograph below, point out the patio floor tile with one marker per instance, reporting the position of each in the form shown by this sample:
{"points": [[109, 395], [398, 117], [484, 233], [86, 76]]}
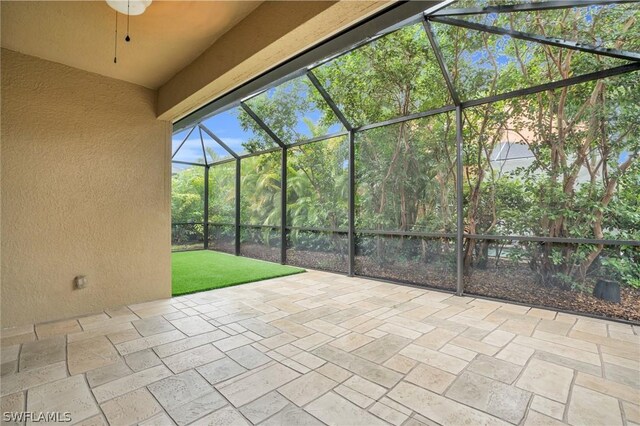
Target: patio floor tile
{"points": [[318, 348]]}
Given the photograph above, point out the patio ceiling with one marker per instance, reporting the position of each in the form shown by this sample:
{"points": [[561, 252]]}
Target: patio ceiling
{"points": [[166, 38]]}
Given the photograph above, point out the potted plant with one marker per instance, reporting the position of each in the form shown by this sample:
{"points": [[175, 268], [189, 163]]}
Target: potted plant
{"points": [[608, 284]]}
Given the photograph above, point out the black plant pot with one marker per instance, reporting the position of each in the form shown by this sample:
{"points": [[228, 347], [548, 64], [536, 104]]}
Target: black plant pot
{"points": [[608, 290]]}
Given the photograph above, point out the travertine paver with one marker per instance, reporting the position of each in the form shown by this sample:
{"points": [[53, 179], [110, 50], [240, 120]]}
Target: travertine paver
{"points": [[354, 396], [232, 342], [458, 352], [17, 335], [193, 410], [515, 354], [57, 328], [220, 370], [365, 387], [129, 383], [226, 416], [14, 403], [436, 359], [9, 359], [192, 326], [142, 360], [31, 378], [192, 358], [90, 354], [131, 408], [548, 407], [334, 372], [292, 415], [499, 399], [109, 330], [182, 345], [306, 388], [438, 408], [430, 378], [254, 386], [535, 418], [180, 388], [631, 411], [264, 407], [143, 343], [70, 395], [400, 363], [334, 410], [591, 407], [41, 353], [546, 379], [389, 414], [380, 350], [108, 373], [248, 357], [620, 374], [351, 341], [573, 364], [367, 369], [495, 369], [152, 325], [318, 348]]}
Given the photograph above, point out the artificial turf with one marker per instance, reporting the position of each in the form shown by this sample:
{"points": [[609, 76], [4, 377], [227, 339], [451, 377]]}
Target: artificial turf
{"points": [[194, 271]]}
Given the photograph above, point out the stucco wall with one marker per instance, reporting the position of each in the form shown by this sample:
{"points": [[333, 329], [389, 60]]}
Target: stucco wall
{"points": [[85, 182]]}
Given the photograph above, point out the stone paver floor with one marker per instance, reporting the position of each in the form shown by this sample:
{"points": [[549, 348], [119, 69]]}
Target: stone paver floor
{"points": [[319, 348]]}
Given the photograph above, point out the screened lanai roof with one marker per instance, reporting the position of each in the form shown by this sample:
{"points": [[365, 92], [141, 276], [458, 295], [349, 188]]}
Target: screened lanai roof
{"points": [[472, 52]]}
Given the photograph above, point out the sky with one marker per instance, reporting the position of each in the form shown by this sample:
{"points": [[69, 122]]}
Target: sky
{"points": [[226, 126]]}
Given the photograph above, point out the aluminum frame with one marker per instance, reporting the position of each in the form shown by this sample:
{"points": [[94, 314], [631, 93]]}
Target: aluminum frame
{"points": [[204, 128], [441, 63], [283, 207], [439, 14], [206, 206], [352, 204], [551, 41], [327, 98], [459, 205], [526, 7], [262, 124], [560, 240], [237, 200]]}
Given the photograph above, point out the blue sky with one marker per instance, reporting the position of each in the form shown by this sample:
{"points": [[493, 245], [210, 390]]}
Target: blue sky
{"points": [[226, 126]]}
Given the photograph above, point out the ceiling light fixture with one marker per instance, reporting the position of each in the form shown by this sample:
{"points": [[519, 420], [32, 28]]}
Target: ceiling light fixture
{"points": [[129, 8], [133, 8]]}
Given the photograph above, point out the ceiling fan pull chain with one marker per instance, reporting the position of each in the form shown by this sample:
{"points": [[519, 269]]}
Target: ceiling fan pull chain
{"points": [[127, 38], [115, 42]]}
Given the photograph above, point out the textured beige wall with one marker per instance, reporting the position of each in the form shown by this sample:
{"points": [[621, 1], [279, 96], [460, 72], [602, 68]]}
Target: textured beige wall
{"points": [[85, 182], [274, 32]]}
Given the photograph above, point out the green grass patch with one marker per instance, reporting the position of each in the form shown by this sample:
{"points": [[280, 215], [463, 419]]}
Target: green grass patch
{"points": [[205, 270]]}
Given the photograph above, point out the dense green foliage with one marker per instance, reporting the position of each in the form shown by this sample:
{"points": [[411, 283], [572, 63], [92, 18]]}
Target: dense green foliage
{"points": [[580, 177]]}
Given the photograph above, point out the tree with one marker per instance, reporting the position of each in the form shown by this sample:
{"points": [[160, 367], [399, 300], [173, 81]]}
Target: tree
{"points": [[579, 178], [575, 134]]}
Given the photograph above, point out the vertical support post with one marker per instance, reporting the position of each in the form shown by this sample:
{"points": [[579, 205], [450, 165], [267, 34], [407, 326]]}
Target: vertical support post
{"points": [[352, 204], [283, 207], [459, 195], [237, 207], [206, 207]]}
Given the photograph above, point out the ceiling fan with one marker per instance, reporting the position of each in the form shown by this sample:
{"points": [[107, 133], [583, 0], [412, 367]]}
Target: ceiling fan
{"points": [[129, 8]]}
